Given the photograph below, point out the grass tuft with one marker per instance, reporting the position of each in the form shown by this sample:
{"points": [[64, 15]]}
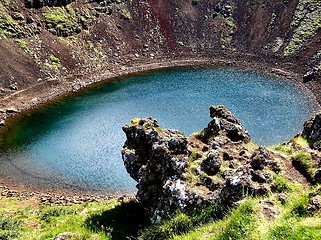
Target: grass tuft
{"points": [[303, 162], [9, 228], [280, 184], [181, 222]]}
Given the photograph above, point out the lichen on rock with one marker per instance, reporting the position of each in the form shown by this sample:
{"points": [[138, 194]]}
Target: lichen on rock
{"points": [[175, 172]]}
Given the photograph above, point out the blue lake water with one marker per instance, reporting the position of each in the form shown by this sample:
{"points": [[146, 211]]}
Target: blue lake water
{"points": [[77, 142]]}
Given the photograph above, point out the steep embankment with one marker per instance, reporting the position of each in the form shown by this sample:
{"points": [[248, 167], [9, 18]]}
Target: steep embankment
{"points": [[49, 50]]}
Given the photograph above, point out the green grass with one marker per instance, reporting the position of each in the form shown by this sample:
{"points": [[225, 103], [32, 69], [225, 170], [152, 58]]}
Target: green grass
{"points": [[181, 222], [280, 184], [289, 149], [106, 219], [241, 222], [9, 228], [54, 59], [111, 219], [283, 149], [246, 221], [296, 222], [204, 135], [304, 164], [299, 142], [238, 225]]}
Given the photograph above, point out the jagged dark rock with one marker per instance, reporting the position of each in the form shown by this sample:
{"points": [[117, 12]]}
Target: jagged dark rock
{"points": [[212, 163], [312, 131], [311, 75], [173, 173], [224, 123]]}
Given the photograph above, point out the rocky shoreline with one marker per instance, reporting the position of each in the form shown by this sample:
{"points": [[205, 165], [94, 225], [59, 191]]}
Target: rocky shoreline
{"points": [[62, 198], [57, 88]]}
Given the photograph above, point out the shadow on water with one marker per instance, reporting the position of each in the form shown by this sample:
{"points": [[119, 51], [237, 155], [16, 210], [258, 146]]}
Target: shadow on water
{"points": [[122, 222]]}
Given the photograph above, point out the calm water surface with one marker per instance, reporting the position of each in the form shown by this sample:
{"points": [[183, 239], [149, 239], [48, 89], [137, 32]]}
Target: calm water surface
{"points": [[76, 144]]}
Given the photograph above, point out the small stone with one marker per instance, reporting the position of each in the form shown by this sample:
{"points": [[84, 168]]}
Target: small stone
{"points": [[227, 156], [180, 43], [12, 110], [13, 86], [17, 16]]}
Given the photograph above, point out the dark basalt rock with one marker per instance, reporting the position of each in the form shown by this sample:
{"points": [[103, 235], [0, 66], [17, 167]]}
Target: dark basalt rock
{"points": [[262, 158], [224, 123], [173, 173], [312, 131], [212, 163], [312, 75]]}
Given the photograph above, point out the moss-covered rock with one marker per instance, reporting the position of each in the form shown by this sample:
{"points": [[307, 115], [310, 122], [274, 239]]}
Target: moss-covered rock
{"points": [[174, 172]]}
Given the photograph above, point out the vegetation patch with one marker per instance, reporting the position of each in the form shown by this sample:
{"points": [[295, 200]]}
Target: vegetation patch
{"points": [[304, 164], [125, 14], [284, 149], [60, 22], [8, 27], [10, 228], [280, 184], [306, 23], [181, 222], [226, 39], [23, 45]]}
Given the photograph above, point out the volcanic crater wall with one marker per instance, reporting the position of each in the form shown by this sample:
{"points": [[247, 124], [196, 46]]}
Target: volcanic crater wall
{"points": [[43, 41]]}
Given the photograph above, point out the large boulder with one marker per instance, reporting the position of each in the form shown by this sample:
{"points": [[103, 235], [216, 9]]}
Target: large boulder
{"points": [[224, 123], [175, 172]]}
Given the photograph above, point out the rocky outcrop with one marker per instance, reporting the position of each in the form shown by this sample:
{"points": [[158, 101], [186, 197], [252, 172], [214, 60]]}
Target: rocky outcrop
{"points": [[178, 172], [312, 131]]}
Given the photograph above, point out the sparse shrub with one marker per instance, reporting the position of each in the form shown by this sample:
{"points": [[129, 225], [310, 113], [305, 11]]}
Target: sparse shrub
{"points": [[8, 27], [9, 228], [22, 44], [51, 212]]}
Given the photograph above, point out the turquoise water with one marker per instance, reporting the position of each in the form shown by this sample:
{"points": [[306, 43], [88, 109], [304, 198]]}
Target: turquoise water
{"points": [[76, 143]]}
